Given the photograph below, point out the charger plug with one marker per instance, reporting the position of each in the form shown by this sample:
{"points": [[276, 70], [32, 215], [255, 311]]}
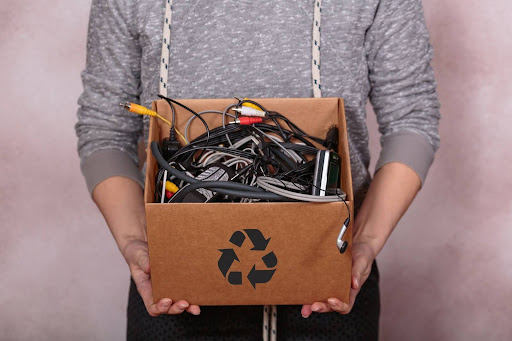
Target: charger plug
{"points": [[170, 145]]}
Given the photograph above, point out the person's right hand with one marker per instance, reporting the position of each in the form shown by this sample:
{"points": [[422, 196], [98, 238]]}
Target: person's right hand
{"points": [[137, 257]]}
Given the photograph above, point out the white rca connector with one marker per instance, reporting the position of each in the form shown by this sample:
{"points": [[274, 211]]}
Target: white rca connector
{"points": [[248, 111]]}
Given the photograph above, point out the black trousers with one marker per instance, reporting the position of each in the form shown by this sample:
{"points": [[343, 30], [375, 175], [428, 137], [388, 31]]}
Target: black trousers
{"points": [[245, 322]]}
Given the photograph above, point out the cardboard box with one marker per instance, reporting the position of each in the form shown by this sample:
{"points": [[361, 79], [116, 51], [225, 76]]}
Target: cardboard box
{"points": [[250, 253]]}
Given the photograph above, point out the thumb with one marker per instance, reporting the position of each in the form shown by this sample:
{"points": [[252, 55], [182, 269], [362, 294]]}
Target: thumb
{"points": [[144, 262], [360, 271], [146, 268]]}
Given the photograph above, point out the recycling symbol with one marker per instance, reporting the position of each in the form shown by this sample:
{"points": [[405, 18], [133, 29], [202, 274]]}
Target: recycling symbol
{"points": [[228, 257]]}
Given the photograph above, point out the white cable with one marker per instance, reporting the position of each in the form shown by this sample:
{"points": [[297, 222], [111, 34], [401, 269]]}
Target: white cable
{"points": [[205, 155], [273, 185], [212, 158], [283, 183], [218, 155], [163, 187], [235, 161]]}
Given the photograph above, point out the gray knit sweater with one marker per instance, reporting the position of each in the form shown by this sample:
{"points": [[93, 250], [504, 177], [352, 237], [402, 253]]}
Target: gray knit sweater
{"points": [[377, 49]]}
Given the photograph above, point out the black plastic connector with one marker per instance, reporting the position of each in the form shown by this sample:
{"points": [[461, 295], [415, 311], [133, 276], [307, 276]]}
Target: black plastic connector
{"points": [[170, 145], [332, 139]]}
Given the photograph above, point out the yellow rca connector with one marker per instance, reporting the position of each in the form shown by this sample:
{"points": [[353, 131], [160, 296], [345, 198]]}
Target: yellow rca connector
{"points": [[142, 110], [250, 105], [171, 187]]}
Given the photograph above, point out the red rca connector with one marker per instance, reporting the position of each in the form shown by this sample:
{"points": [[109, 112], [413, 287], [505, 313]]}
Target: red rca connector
{"points": [[247, 120], [249, 111]]}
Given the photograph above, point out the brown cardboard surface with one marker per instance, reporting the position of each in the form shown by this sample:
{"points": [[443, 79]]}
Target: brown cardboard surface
{"points": [[185, 239]]}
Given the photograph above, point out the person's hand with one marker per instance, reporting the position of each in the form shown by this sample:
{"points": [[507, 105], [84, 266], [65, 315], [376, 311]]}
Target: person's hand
{"points": [[137, 257], [362, 259]]}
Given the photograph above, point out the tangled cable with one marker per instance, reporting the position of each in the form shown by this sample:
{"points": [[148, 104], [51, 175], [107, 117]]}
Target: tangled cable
{"points": [[255, 155]]}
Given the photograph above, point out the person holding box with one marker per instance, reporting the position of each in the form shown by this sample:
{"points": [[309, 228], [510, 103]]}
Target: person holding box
{"points": [[377, 49]]}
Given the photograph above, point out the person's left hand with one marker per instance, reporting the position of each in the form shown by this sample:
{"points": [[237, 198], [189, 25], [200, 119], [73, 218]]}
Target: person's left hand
{"points": [[362, 259]]}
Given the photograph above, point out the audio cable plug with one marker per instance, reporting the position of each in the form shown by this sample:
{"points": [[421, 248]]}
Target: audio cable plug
{"points": [[247, 120], [247, 104], [340, 243], [248, 111], [170, 189], [332, 138], [141, 110]]}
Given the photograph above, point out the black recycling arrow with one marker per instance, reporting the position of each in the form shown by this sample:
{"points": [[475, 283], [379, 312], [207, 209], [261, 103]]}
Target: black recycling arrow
{"points": [[237, 238], [235, 277], [270, 259], [256, 237], [259, 276], [226, 259]]}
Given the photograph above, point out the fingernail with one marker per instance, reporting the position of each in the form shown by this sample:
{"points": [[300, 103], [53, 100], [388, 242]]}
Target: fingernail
{"points": [[316, 309], [357, 283], [196, 313], [331, 301], [304, 316], [166, 303], [182, 306]]}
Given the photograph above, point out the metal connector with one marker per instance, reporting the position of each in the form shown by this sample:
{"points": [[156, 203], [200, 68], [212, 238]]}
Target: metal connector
{"points": [[126, 105]]}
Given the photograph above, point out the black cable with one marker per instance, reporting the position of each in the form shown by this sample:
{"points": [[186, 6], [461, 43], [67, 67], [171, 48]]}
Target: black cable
{"points": [[346, 205], [228, 188], [192, 111], [173, 115], [218, 136], [300, 137], [281, 132], [182, 176], [267, 158], [234, 152], [295, 128], [300, 148]]}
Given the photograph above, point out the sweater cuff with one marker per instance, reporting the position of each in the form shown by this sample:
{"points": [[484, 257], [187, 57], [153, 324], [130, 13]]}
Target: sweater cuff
{"points": [[107, 163], [409, 148]]}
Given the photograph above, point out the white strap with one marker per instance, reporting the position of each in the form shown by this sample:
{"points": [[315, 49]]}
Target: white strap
{"points": [[273, 324], [315, 62], [269, 316], [166, 46], [266, 327]]}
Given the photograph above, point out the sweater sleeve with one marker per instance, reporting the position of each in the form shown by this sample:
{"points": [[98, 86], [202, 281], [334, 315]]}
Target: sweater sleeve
{"points": [[108, 134], [403, 89]]}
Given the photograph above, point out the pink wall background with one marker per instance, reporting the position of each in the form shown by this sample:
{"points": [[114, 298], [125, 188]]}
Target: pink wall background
{"points": [[446, 271]]}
